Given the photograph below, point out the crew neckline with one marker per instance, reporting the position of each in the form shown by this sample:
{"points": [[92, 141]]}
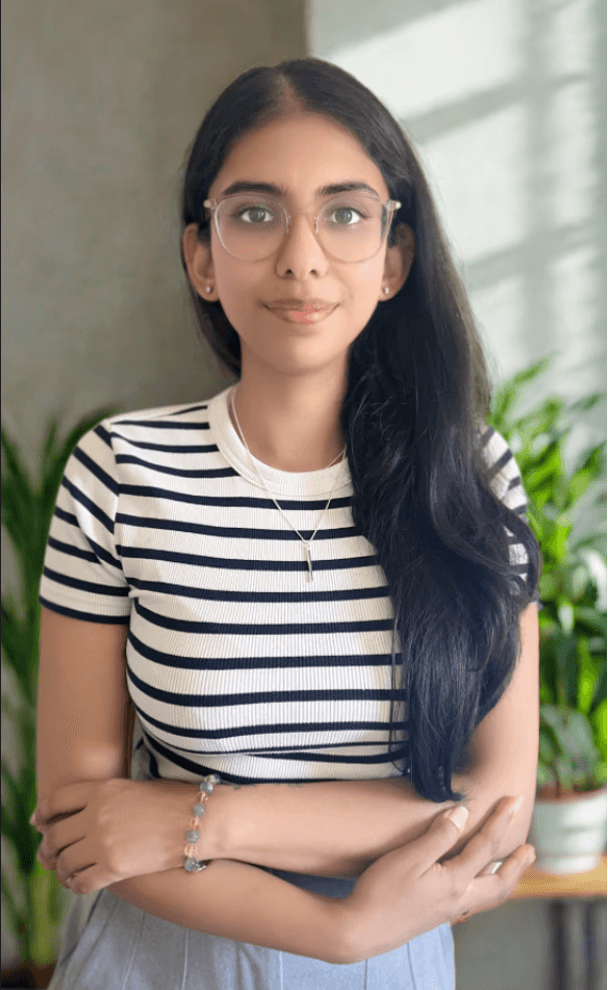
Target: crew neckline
{"points": [[278, 482]]}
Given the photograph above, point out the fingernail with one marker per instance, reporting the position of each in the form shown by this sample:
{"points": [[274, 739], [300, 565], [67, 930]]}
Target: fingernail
{"points": [[458, 815], [514, 808]]}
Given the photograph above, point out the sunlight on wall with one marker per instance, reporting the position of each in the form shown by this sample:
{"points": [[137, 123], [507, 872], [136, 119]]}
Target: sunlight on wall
{"points": [[478, 171], [401, 65], [504, 101]]}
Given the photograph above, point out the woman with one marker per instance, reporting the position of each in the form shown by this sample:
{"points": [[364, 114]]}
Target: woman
{"points": [[260, 557]]}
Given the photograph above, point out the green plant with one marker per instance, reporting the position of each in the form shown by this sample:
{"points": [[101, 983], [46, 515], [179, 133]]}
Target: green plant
{"points": [[572, 738], [27, 509]]}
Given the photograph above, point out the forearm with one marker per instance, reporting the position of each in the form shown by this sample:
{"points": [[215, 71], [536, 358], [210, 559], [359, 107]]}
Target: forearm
{"points": [[241, 902], [337, 828]]}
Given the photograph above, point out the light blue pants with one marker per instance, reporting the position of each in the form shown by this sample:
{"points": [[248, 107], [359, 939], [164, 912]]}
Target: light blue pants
{"points": [[111, 945]]}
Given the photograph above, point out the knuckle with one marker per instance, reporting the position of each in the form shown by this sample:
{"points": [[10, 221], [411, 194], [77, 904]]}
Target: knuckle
{"points": [[490, 844], [455, 887]]}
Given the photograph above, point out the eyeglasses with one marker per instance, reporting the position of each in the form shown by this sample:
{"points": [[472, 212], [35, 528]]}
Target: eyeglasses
{"points": [[252, 228]]}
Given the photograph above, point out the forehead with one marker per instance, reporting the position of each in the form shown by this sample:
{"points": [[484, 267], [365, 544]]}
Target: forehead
{"points": [[305, 157]]}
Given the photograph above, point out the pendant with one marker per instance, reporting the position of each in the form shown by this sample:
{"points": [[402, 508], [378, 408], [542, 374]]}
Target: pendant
{"points": [[309, 561]]}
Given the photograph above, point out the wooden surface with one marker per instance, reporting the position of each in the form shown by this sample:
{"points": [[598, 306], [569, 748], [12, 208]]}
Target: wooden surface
{"points": [[534, 883]]}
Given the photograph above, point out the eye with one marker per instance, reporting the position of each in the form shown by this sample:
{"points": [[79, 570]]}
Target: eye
{"points": [[346, 209], [253, 209]]}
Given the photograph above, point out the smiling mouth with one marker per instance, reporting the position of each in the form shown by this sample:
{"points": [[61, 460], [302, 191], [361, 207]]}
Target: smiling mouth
{"points": [[306, 316]]}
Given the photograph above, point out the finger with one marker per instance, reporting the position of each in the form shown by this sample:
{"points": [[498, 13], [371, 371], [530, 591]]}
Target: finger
{"points": [[440, 836], [491, 867], [490, 890], [87, 881], [481, 848], [74, 859], [59, 836], [68, 800]]}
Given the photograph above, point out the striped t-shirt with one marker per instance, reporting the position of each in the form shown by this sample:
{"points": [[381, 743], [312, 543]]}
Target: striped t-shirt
{"points": [[236, 661]]}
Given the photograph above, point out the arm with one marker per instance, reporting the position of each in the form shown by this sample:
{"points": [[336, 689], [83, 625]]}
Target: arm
{"points": [[241, 902], [338, 828]]}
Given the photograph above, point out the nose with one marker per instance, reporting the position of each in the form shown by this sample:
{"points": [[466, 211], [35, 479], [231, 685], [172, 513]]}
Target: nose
{"points": [[301, 252]]}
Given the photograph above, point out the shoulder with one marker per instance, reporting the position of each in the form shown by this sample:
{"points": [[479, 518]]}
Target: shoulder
{"points": [[503, 471], [192, 413], [143, 425]]}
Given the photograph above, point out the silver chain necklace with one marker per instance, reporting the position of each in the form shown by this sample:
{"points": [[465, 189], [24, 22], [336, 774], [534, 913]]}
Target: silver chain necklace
{"points": [[307, 543]]}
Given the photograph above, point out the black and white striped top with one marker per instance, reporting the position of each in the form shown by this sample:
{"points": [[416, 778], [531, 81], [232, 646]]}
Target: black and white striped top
{"points": [[236, 661]]}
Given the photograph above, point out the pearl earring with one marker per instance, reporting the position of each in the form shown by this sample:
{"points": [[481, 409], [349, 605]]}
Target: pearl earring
{"points": [[208, 289], [386, 291]]}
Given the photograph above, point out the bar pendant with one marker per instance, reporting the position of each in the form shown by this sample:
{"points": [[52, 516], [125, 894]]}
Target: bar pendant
{"points": [[309, 561]]}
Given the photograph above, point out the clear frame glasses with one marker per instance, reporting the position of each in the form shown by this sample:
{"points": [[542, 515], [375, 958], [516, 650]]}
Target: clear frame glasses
{"points": [[253, 227]]}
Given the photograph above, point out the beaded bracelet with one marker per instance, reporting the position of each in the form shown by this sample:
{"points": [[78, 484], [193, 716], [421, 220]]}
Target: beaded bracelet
{"points": [[191, 864]]}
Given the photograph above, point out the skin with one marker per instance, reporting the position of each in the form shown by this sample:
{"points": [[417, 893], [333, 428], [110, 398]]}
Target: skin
{"points": [[293, 382]]}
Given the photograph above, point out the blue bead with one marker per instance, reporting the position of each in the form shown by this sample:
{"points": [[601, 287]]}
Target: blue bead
{"points": [[192, 835], [189, 864], [199, 809], [207, 787]]}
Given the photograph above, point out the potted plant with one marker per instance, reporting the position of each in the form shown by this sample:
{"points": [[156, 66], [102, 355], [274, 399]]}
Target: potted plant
{"points": [[27, 509], [568, 828]]}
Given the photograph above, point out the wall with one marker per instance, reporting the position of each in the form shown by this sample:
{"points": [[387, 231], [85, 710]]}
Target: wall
{"points": [[101, 101]]}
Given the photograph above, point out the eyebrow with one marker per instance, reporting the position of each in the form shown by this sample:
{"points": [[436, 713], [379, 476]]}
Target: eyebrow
{"points": [[272, 190]]}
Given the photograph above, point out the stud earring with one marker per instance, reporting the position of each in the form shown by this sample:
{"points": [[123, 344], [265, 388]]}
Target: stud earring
{"points": [[208, 289], [386, 291]]}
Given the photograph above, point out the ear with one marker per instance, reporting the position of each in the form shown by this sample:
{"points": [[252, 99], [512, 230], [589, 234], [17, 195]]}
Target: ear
{"points": [[199, 263], [399, 259]]}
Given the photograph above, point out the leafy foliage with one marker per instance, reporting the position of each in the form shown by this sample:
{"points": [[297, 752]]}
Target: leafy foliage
{"points": [[572, 744], [27, 510]]}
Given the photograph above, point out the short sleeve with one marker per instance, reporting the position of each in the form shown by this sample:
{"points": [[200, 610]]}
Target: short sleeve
{"points": [[83, 576], [506, 482]]}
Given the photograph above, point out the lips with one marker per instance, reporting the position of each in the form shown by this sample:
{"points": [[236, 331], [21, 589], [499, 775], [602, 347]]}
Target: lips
{"points": [[301, 315], [307, 309]]}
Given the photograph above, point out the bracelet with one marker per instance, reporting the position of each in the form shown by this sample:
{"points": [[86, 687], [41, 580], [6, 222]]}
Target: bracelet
{"points": [[191, 864]]}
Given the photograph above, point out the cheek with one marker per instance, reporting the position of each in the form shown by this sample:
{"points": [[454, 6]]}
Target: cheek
{"points": [[240, 294]]}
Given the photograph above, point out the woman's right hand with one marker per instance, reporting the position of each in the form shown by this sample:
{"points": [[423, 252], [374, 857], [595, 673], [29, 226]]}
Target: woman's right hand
{"points": [[408, 892]]}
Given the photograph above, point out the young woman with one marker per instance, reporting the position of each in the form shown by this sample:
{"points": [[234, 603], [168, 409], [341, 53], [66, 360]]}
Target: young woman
{"points": [[317, 583]]}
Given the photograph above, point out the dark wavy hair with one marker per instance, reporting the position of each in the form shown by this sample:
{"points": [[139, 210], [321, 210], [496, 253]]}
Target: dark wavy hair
{"points": [[418, 393]]}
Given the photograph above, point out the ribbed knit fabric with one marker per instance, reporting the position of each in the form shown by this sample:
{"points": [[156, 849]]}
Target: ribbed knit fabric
{"points": [[236, 661]]}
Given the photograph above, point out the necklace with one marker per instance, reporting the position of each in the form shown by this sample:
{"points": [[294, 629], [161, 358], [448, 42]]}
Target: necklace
{"points": [[307, 543]]}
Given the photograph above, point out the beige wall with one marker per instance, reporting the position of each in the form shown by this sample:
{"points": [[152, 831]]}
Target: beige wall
{"points": [[101, 101]]}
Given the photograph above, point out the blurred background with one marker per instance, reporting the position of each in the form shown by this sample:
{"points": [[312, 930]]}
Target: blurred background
{"points": [[505, 101]]}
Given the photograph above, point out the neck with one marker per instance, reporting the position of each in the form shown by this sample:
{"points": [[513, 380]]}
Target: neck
{"points": [[292, 426]]}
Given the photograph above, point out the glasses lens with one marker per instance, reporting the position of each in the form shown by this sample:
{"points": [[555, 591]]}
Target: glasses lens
{"points": [[351, 226]]}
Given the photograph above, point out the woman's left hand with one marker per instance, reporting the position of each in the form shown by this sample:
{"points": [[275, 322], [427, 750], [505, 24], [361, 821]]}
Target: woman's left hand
{"points": [[97, 832]]}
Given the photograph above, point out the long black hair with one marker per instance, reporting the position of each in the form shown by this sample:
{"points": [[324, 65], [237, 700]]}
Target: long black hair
{"points": [[417, 397]]}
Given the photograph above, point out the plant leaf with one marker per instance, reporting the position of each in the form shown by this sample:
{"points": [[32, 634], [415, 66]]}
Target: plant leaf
{"points": [[17, 916]]}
